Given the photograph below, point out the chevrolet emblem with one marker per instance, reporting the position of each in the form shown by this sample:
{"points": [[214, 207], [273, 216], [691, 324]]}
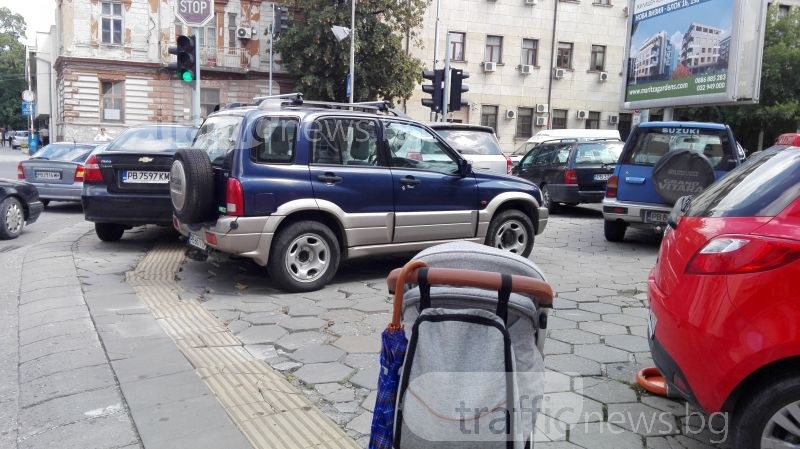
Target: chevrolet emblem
{"points": [[145, 159]]}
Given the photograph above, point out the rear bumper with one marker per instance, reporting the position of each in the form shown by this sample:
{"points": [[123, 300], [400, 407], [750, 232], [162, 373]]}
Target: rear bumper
{"points": [[564, 193], [543, 215], [629, 212], [100, 206], [249, 237], [65, 192]]}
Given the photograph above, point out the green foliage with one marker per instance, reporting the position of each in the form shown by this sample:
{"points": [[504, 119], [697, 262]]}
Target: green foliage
{"points": [[12, 69], [779, 108], [319, 63]]}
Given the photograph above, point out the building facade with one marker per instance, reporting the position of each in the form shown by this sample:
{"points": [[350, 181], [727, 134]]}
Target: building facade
{"points": [[701, 47], [109, 61], [551, 63], [654, 60]]}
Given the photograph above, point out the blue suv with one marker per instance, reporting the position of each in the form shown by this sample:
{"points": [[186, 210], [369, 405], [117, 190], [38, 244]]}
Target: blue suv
{"points": [[299, 186], [661, 162]]}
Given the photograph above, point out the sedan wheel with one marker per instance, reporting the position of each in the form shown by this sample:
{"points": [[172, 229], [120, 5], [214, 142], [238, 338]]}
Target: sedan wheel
{"points": [[13, 218], [769, 417], [783, 430]]}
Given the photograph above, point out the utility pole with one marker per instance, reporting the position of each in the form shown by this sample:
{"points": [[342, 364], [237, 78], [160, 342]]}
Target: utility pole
{"points": [[446, 93], [271, 38], [435, 46], [196, 88], [352, 50]]}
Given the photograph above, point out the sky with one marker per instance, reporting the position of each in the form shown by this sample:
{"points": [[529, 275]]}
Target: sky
{"points": [[38, 14], [715, 13]]}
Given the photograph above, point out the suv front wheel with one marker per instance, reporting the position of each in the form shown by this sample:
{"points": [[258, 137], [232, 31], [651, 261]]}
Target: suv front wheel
{"points": [[512, 231], [304, 257]]}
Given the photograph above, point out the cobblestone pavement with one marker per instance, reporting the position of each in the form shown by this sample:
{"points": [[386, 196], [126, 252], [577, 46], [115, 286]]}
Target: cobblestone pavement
{"points": [[327, 342]]}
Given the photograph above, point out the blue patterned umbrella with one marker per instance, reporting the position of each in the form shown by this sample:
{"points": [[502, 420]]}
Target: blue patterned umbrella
{"points": [[393, 351]]}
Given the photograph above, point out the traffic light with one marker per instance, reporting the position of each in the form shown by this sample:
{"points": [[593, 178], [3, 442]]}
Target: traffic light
{"points": [[436, 102], [457, 87], [281, 20], [185, 50]]}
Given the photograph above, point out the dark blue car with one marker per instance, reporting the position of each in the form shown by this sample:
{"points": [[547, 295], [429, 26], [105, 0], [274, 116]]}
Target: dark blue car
{"points": [[298, 186], [660, 163]]}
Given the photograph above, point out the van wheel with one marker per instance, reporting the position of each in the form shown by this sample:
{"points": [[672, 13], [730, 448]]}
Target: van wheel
{"points": [[512, 231], [768, 417], [109, 232], [614, 230], [304, 257]]}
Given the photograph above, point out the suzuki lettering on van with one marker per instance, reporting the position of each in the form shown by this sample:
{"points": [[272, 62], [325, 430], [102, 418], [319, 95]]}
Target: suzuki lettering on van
{"points": [[680, 131]]}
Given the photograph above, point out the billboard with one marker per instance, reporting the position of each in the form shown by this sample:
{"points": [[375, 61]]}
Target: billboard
{"points": [[693, 52]]}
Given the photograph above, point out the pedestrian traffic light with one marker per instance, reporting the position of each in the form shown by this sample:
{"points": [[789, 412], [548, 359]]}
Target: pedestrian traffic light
{"points": [[457, 87], [281, 20], [185, 50], [436, 102]]}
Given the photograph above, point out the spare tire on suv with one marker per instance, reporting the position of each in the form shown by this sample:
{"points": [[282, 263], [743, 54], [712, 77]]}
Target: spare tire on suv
{"points": [[191, 186], [680, 173]]}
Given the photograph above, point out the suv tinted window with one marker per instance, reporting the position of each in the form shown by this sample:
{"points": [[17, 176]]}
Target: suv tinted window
{"points": [[763, 186], [598, 153], [652, 143], [345, 141], [218, 136], [467, 141], [275, 139]]}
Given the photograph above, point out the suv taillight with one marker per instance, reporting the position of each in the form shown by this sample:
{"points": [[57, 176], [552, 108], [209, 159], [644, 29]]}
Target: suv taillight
{"points": [[611, 187], [737, 254], [20, 172], [91, 171], [234, 198], [80, 172], [509, 164], [570, 177]]}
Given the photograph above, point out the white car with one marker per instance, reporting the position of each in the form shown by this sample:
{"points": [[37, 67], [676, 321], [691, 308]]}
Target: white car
{"points": [[19, 138], [477, 144]]}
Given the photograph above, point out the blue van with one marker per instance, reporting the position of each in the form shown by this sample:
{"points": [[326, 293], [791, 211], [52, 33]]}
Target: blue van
{"points": [[661, 162]]}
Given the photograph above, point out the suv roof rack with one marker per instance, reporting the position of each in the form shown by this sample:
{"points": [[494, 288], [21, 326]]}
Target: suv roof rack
{"points": [[296, 100]]}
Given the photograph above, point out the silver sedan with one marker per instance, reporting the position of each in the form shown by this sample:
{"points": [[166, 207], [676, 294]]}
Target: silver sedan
{"points": [[57, 170]]}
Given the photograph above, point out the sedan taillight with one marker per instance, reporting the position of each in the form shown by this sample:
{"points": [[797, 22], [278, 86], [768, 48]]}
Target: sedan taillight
{"points": [[509, 163], [20, 172], [91, 171], [611, 187], [739, 254], [80, 172]]}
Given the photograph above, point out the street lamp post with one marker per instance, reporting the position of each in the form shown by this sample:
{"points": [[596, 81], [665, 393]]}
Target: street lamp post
{"points": [[352, 49]]}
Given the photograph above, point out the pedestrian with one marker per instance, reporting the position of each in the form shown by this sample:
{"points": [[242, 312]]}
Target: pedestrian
{"points": [[45, 134], [3, 137], [10, 137], [102, 136]]}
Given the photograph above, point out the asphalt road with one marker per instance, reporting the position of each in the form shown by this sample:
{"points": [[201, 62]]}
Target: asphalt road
{"points": [[55, 217]]}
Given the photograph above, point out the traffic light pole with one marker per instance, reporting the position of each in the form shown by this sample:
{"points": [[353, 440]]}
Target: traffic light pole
{"points": [[196, 87], [446, 93], [271, 38]]}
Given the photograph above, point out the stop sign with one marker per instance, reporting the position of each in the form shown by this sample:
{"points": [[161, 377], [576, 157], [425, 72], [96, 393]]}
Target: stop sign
{"points": [[195, 12]]}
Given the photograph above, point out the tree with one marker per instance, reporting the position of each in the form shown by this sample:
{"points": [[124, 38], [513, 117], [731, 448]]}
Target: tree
{"points": [[319, 63], [12, 69], [779, 108]]}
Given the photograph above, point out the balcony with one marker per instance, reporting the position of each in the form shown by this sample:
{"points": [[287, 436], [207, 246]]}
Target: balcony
{"points": [[225, 57]]}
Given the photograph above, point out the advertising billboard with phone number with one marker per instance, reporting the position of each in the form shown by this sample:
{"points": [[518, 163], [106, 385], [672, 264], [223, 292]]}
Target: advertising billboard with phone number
{"points": [[689, 52]]}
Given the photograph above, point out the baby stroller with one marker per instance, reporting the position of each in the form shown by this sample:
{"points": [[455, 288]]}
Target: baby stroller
{"points": [[473, 373]]}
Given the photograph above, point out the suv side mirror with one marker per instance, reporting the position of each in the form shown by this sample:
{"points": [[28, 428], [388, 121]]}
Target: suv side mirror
{"points": [[464, 168]]}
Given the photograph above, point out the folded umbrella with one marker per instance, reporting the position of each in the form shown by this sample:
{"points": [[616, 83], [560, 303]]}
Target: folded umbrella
{"points": [[393, 351]]}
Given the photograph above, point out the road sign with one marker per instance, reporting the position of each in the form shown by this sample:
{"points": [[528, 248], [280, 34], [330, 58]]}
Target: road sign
{"points": [[28, 95], [195, 12], [28, 109]]}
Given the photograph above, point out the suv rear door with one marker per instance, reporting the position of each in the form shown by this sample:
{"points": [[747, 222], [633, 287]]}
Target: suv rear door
{"points": [[348, 170], [432, 200]]}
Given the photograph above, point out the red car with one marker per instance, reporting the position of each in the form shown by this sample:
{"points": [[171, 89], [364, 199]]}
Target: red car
{"points": [[725, 300]]}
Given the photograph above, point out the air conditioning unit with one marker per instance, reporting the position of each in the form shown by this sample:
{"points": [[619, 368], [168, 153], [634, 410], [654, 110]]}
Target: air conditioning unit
{"points": [[583, 115], [559, 73], [613, 119], [244, 32], [543, 108], [526, 69], [531, 2], [603, 77], [511, 113], [541, 121], [489, 66]]}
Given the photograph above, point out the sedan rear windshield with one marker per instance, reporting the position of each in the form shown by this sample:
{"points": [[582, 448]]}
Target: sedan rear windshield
{"points": [[652, 143], [64, 152], [598, 153], [471, 142], [153, 138], [762, 187]]}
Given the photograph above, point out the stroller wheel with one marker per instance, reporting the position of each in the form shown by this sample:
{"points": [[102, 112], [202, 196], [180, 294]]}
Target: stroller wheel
{"points": [[511, 231]]}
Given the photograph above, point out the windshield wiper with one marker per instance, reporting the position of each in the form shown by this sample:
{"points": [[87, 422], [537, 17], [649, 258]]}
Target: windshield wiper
{"points": [[40, 157], [607, 164]]}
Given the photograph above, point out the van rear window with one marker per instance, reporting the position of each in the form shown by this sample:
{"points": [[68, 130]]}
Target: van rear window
{"points": [[651, 143]]}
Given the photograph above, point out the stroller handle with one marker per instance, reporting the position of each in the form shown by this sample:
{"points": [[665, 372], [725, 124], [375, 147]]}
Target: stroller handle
{"points": [[484, 280]]}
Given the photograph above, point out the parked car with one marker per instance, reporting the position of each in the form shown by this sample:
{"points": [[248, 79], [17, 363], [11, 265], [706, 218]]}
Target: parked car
{"points": [[57, 171], [546, 135], [570, 171], [19, 139], [127, 184], [19, 206], [477, 144], [299, 187], [724, 300], [661, 162]]}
